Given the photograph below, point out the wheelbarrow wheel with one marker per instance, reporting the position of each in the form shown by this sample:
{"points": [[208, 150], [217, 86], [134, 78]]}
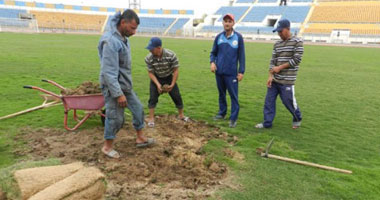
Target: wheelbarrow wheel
{"points": [[102, 118]]}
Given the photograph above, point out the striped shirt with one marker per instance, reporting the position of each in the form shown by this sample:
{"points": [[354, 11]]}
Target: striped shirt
{"points": [[287, 51], [164, 66]]}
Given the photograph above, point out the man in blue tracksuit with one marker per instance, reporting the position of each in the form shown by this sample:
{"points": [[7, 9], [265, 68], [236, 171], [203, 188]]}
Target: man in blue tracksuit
{"points": [[116, 80], [227, 52]]}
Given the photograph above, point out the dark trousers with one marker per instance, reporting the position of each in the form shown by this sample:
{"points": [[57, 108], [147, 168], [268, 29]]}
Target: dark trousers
{"points": [[230, 84], [283, 1], [174, 93], [286, 93]]}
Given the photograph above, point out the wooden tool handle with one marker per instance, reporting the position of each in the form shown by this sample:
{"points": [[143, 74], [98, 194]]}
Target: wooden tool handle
{"points": [[307, 163]]}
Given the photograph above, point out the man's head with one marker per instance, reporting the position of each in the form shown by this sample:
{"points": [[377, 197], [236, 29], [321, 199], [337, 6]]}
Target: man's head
{"points": [[228, 22], [283, 29], [155, 46], [128, 23]]}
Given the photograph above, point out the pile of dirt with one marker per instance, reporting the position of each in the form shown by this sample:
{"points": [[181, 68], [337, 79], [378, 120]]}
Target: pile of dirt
{"points": [[86, 87], [174, 168], [2, 195]]}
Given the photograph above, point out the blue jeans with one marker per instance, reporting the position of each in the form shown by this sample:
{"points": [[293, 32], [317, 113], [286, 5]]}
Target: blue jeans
{"points": [[286, 93], [230, 84], [115, 114]]}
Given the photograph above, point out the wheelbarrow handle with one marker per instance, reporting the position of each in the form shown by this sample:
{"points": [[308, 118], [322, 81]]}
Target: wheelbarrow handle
{"points": [[42, 90], [54, 83]]}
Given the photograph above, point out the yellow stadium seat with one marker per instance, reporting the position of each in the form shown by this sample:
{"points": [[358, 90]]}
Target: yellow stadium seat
{"points": [[69, 20]]}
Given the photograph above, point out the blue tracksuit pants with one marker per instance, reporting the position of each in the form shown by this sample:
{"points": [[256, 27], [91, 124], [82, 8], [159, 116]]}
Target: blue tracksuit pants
{"points": [[286, 93], [230, 84]]}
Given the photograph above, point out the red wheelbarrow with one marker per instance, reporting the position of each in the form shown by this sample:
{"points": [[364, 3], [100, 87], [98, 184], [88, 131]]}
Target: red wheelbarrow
{"points": [[91, 103]]}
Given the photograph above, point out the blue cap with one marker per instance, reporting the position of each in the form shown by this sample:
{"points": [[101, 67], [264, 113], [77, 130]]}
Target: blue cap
{"points": [[153, 43], [284, 23]]}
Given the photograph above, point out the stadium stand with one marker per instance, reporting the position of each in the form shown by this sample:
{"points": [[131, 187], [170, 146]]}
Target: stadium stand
{"points": [[60, 20], [178, 25], [237, 11], [12, 18], [293, 13], [11, 13], [154, 24], [347, 12]]}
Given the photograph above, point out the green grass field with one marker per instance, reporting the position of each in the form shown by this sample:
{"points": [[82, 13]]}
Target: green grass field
{"points": [[337, 90]]}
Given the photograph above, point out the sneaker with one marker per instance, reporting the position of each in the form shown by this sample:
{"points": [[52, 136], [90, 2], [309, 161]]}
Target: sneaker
{"points": [[218, 117], [296, 125], [233, 123], [260, 125]]}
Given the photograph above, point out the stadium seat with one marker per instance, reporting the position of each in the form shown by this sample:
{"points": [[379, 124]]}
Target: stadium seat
{"points": [[293, 13], [237, 11], [347, 12], [70, 21], [178, 25], [154, 24]]}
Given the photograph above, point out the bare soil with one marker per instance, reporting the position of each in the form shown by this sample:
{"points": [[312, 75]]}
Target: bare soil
{"points": [[174, 168]]}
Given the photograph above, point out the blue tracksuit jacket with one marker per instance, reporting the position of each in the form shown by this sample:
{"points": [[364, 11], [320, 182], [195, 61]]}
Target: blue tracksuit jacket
{"points": [[227, 52]]}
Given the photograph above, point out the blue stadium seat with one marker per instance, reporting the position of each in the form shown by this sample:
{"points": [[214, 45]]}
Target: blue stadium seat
{"points": [[237, 11], [7, 22], [40, 5], [20, 3], [293, 13], [6, 16], [178, 25], [11, 13], [154, 24], [244, 1], [59, 6], [1, 2]]}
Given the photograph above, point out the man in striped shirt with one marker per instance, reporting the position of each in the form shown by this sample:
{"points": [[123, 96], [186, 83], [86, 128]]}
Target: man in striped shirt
{"points": [[286, 57], [162, 67]]}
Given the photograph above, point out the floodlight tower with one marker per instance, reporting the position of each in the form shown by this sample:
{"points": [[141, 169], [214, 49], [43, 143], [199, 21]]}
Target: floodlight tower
{"points": [[135, 4]]}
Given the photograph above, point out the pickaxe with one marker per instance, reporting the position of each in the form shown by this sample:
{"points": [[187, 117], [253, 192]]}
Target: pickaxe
{"points": [[266, 154]]}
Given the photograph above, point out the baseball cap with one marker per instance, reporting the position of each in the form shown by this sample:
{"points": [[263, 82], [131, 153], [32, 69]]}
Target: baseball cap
{"points": [[229, 15], [153, 43], [284, 23]]}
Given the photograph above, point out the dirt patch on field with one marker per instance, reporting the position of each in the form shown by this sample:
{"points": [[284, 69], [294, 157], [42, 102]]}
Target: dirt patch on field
{"points": [[174, 168]]}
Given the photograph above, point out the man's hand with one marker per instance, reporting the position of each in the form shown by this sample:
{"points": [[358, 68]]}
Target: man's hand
{"points": [[240, 76], [269, 81], [170, 88], [159, 88], [122, 101], [213, 67], [275, 70]]}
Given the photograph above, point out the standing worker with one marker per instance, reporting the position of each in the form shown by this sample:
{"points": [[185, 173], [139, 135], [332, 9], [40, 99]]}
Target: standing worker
{"points": [[227, 52], [116, 80], [286, 57]]}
